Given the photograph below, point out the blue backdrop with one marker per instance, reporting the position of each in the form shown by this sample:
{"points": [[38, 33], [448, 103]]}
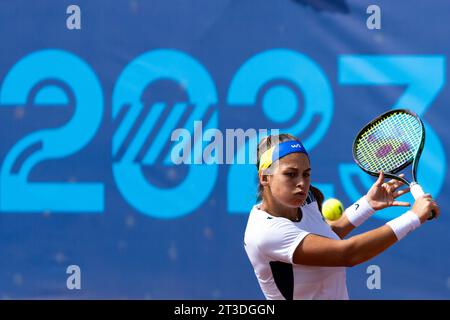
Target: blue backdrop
{"points": [[86, 118]]}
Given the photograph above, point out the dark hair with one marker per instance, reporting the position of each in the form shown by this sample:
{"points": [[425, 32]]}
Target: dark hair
{"points": [[271, 141]]}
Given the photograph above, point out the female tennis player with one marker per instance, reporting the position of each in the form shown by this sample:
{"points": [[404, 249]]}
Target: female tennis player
{"points": [[295, 253]]}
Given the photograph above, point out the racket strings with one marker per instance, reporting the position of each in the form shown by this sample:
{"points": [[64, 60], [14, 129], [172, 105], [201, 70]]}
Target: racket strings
{"points": [[389, 143]]}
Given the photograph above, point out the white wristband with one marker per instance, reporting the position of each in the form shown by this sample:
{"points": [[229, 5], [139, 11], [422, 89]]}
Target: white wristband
{"points": [[404, 224], [359, 212]]}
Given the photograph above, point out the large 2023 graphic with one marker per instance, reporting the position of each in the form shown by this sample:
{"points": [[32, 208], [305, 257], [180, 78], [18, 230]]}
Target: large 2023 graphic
{"points": [[423, 77]]}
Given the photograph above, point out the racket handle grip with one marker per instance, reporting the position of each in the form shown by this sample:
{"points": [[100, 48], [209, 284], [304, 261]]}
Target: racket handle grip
{"points": [[417, 191]]}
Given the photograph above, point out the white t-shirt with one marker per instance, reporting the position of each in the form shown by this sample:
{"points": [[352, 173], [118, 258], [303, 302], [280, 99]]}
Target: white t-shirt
{"points": [[270, 243]]}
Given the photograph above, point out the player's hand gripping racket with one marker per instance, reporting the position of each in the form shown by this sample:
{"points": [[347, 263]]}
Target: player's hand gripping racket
{"points": [[390, 143]]}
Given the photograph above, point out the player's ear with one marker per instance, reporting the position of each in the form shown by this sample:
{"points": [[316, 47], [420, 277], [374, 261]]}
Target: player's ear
{"points": [[264, 179]]}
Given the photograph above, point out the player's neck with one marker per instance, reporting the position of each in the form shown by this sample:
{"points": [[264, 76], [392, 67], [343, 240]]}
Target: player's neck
{"points": [[274, 208]]}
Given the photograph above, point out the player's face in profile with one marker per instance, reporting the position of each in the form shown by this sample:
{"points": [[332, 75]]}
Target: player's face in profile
{"points": [[290, 180]]}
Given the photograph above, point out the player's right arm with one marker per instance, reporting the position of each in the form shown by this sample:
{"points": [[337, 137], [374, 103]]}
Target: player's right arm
{"points": [[316, 250]]}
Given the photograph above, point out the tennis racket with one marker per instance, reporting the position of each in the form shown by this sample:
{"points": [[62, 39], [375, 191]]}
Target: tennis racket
{"points": [[390, 143]]}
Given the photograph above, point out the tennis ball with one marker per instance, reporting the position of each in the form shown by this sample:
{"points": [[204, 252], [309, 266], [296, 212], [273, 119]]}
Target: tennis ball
{"points": [[332, 209]]}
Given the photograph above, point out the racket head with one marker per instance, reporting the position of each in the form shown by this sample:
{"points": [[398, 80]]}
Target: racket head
{"points": [[390, 143]]}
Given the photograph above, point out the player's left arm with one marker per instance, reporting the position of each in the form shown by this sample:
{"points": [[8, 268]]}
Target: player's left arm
{"points": [[342, 226], [381, 195]]}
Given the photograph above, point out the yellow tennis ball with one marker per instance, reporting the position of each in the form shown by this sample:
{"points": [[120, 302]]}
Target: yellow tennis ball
{"points": [[332, 209]]}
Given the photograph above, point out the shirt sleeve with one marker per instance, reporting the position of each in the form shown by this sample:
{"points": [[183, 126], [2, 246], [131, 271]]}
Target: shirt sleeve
{"points": [[280, 240]]}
